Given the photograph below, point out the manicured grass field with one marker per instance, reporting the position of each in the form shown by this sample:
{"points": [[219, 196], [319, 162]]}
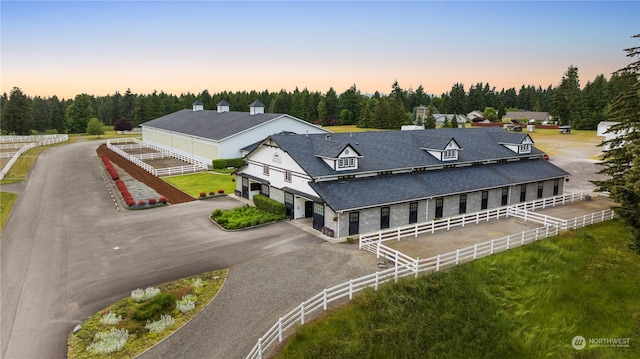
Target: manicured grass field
{"points": [[529, 302], [193, 184]]}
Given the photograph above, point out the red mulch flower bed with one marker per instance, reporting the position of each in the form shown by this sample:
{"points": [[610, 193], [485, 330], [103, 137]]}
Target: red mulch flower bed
{"points": [[169, 193]]}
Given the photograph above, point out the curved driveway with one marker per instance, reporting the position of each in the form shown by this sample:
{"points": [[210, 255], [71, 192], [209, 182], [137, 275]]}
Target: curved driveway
{"points": [[67, 252]]}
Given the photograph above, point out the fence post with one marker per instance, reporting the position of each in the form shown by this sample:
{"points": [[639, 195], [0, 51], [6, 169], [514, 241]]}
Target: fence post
{"points": [[280, 330], [377, 281], [395, 279], [491, 246], [475, 251], [398, 232], [508, 238], [302, 313], [350, 289], [457, 255], [325, 298], [417, 266], [260, 348], [448, 223], [523, 236], [438, 263]]}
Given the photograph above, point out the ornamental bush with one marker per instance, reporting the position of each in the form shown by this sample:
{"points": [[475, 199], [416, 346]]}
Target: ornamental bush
{"points": [[187, 303], [203, 194], [110, 318], [163, 200], [220, 191], [156, 306], [109, 342], [141, 202], [165, 320], [140, 295], [267, 204], [152, 201]]}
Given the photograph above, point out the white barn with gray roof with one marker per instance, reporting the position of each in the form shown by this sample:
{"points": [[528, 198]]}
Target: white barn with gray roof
{"points": [[206, 135], [354, 183]]}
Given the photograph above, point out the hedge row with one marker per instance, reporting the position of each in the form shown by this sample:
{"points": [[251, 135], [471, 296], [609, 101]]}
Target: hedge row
{"points": [[269, 205], [122, 187], [227, 162], [112, 171]]}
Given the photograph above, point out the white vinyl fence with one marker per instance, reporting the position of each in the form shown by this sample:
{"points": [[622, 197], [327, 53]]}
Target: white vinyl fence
{"points": [[517, 210], [119, 145], [405, 266], [35, 141]]}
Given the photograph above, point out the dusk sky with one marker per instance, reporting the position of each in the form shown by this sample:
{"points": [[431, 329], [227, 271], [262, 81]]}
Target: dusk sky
{"points": [[96, 47]]}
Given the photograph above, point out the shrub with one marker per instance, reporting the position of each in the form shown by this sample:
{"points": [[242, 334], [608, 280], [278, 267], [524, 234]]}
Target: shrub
{"points": [[129, 325], [181, 292], [163, 200], [140, 295], [220, 191], [267, 204], [187, 303], [152, 201], [109, 342], [165, 320], [122, 124], [110, 318], [212, 193], [227, 162], [156, 306], [203, 194], [141, 202]]}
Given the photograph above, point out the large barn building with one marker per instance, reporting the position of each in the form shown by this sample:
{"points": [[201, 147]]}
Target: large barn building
{"points": [[360, 182], [206, 135]]}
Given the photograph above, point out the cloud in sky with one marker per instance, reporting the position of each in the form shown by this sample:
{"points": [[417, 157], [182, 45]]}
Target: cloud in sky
{"points": [[99, 47]]}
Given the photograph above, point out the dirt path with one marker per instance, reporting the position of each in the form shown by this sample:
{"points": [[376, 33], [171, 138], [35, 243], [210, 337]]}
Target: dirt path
{"points": [[173, 194]]}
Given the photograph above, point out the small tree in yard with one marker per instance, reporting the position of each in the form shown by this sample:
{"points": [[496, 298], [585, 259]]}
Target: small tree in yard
{"points": [[122, 124], [94, 127]]}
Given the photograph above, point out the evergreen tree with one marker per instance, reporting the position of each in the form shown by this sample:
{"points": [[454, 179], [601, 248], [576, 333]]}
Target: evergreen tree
{"points": [[430, 120], [16, 115], [622, 161], [57, 120], [40, 114], [502, 110], [566, 105], [454, 121]]}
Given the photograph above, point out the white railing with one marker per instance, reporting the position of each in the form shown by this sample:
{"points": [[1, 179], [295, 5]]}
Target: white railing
{"points": [[540, 218], [37, 141], [137, 159], [417, 229], [176, 155], [404, 268]]}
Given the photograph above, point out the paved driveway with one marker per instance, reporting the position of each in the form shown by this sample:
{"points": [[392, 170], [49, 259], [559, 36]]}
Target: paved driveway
{"points": [[66, 252]]}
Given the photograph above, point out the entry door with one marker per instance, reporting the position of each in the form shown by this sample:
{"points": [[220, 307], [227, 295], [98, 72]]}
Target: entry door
{"points": [[245, 187], [318, 216], [308, 209], [288, 202], [354, 223]]}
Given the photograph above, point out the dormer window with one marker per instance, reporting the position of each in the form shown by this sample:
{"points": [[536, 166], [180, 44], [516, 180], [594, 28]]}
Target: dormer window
{"points": [[443, 149], [525, 148], [346, 162], [450, 155]]}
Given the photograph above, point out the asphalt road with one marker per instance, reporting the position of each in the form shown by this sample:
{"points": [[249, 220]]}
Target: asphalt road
{"points": [[67, 252]]}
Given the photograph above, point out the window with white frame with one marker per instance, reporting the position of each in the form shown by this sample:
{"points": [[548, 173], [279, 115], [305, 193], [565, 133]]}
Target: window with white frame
{"points": [[525, 148], [346, 162], [287, 176], [265, 170], [450, 154]]}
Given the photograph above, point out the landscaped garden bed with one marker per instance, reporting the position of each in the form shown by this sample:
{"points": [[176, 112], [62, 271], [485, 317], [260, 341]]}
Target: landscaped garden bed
{"points": [[134, 324], [265, 211]]}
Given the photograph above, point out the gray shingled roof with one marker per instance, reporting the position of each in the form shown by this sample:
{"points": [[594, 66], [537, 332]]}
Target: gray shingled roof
{"points": [[256, 103], [381, 190], [390, 150], [223, 103], [210, 124]]}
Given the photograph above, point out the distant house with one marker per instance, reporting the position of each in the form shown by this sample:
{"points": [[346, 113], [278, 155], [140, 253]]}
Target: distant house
{"points": [[525, 116], [351, 183], [474, 114], [205, 135], [441, 118]]}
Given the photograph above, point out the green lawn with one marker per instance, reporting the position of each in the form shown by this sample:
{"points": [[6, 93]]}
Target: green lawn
{"points": [[193, 184], [7, 200], [529, 302]]}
